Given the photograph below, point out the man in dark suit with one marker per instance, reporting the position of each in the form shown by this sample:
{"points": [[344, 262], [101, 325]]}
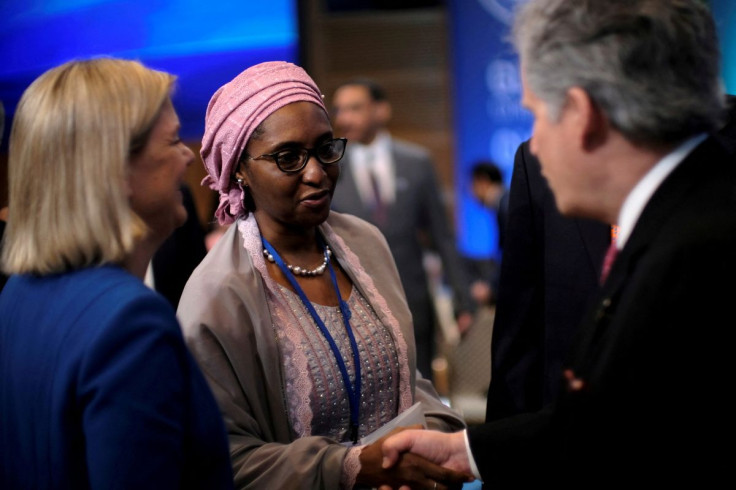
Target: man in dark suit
{"points": [[623, 130], [392, 184], [550, 271], [180, 254]]}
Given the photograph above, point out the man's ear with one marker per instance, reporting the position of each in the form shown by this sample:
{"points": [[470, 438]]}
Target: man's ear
{"points": [[588, 124]]}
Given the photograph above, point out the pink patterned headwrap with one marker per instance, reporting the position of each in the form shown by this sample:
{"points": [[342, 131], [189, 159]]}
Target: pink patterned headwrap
{"points": [[235, 111]]}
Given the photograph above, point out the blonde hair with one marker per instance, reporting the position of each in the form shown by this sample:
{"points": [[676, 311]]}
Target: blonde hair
{"points": [[75, 129]]}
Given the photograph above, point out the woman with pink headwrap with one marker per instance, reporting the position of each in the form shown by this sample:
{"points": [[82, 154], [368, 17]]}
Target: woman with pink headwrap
{"points": [[297, 315]]}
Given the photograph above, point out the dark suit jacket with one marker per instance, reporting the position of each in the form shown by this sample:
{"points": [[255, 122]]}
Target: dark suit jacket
{"points": [[417, 213], [653, 359], [549, 273]]}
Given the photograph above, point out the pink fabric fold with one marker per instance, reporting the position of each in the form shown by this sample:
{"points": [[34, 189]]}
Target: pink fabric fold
{"points": [[235, 111]]}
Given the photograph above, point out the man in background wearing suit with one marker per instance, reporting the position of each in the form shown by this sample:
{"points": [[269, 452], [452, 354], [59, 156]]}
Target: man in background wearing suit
{"points": [[179, 255], [626, 96], [392, 184], [550, 271], [487, 187]]}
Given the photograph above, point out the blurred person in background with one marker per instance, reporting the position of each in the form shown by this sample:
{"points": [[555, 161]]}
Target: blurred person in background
{"points": [[179, 255], [392, 184], [487, 187]]}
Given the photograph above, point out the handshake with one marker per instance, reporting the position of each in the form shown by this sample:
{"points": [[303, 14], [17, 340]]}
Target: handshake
{"points": [[410, 458]]}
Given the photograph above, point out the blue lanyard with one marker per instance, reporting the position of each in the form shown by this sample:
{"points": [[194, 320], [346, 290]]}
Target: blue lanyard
{"points": [[353, 390]]}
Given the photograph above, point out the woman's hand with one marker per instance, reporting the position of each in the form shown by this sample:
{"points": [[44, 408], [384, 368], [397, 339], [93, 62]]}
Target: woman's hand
{"points": [[410, 471]]}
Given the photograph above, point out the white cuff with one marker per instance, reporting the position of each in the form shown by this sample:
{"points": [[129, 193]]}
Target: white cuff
{"points": [[471, 459]]}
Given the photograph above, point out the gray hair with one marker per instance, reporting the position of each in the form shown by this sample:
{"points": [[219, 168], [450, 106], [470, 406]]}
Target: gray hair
{"points": [[652, 66]]}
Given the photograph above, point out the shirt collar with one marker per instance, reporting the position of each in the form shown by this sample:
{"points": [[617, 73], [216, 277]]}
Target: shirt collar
{"points": [[380, 143], [644, 189]]}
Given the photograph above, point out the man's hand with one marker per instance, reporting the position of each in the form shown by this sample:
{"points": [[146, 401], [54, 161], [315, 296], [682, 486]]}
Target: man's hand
{"points": [[446, 450], [406, 470]]}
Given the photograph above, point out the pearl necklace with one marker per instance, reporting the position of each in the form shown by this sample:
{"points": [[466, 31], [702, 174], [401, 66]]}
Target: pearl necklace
{"points": [[300, 271]]}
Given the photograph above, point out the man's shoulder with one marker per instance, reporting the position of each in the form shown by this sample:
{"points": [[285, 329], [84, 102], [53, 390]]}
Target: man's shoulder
{"points": [[694, 209], [409, 150]]}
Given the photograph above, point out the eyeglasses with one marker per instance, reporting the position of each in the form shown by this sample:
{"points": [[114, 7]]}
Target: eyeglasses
{"points": [[292, 160]]}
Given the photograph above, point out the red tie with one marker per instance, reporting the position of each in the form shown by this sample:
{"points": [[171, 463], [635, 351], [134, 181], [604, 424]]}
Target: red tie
{"points": [[610, 255]]}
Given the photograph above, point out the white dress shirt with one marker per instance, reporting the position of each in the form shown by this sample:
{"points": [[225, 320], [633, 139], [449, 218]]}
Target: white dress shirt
{"points": [[641, 193], [374, 158]]}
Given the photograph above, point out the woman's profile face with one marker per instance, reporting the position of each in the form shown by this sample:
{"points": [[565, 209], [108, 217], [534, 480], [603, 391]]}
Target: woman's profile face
{"points": [[157, 173], [299, 200]]}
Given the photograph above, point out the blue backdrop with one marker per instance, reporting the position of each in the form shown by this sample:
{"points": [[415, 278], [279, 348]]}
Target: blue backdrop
{"points": [[204, 43], [489, 120], [724, 12]]}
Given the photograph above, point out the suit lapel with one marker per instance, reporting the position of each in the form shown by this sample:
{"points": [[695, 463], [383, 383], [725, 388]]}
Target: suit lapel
{"points": [[595, 237], [350, 201], [660, 208], [401, 182]]}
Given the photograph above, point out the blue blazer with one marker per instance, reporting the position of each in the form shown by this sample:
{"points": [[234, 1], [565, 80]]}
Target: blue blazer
{"points": [[98, 390]]}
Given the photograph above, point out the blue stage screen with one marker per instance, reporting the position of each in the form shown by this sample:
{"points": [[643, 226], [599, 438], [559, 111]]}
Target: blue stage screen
{"points": [[724, 11], [490, 122], [204, 43]]}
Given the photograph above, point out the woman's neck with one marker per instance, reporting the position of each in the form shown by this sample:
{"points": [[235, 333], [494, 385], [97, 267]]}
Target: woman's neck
{"points": [[137, 261], [290, 241]]}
